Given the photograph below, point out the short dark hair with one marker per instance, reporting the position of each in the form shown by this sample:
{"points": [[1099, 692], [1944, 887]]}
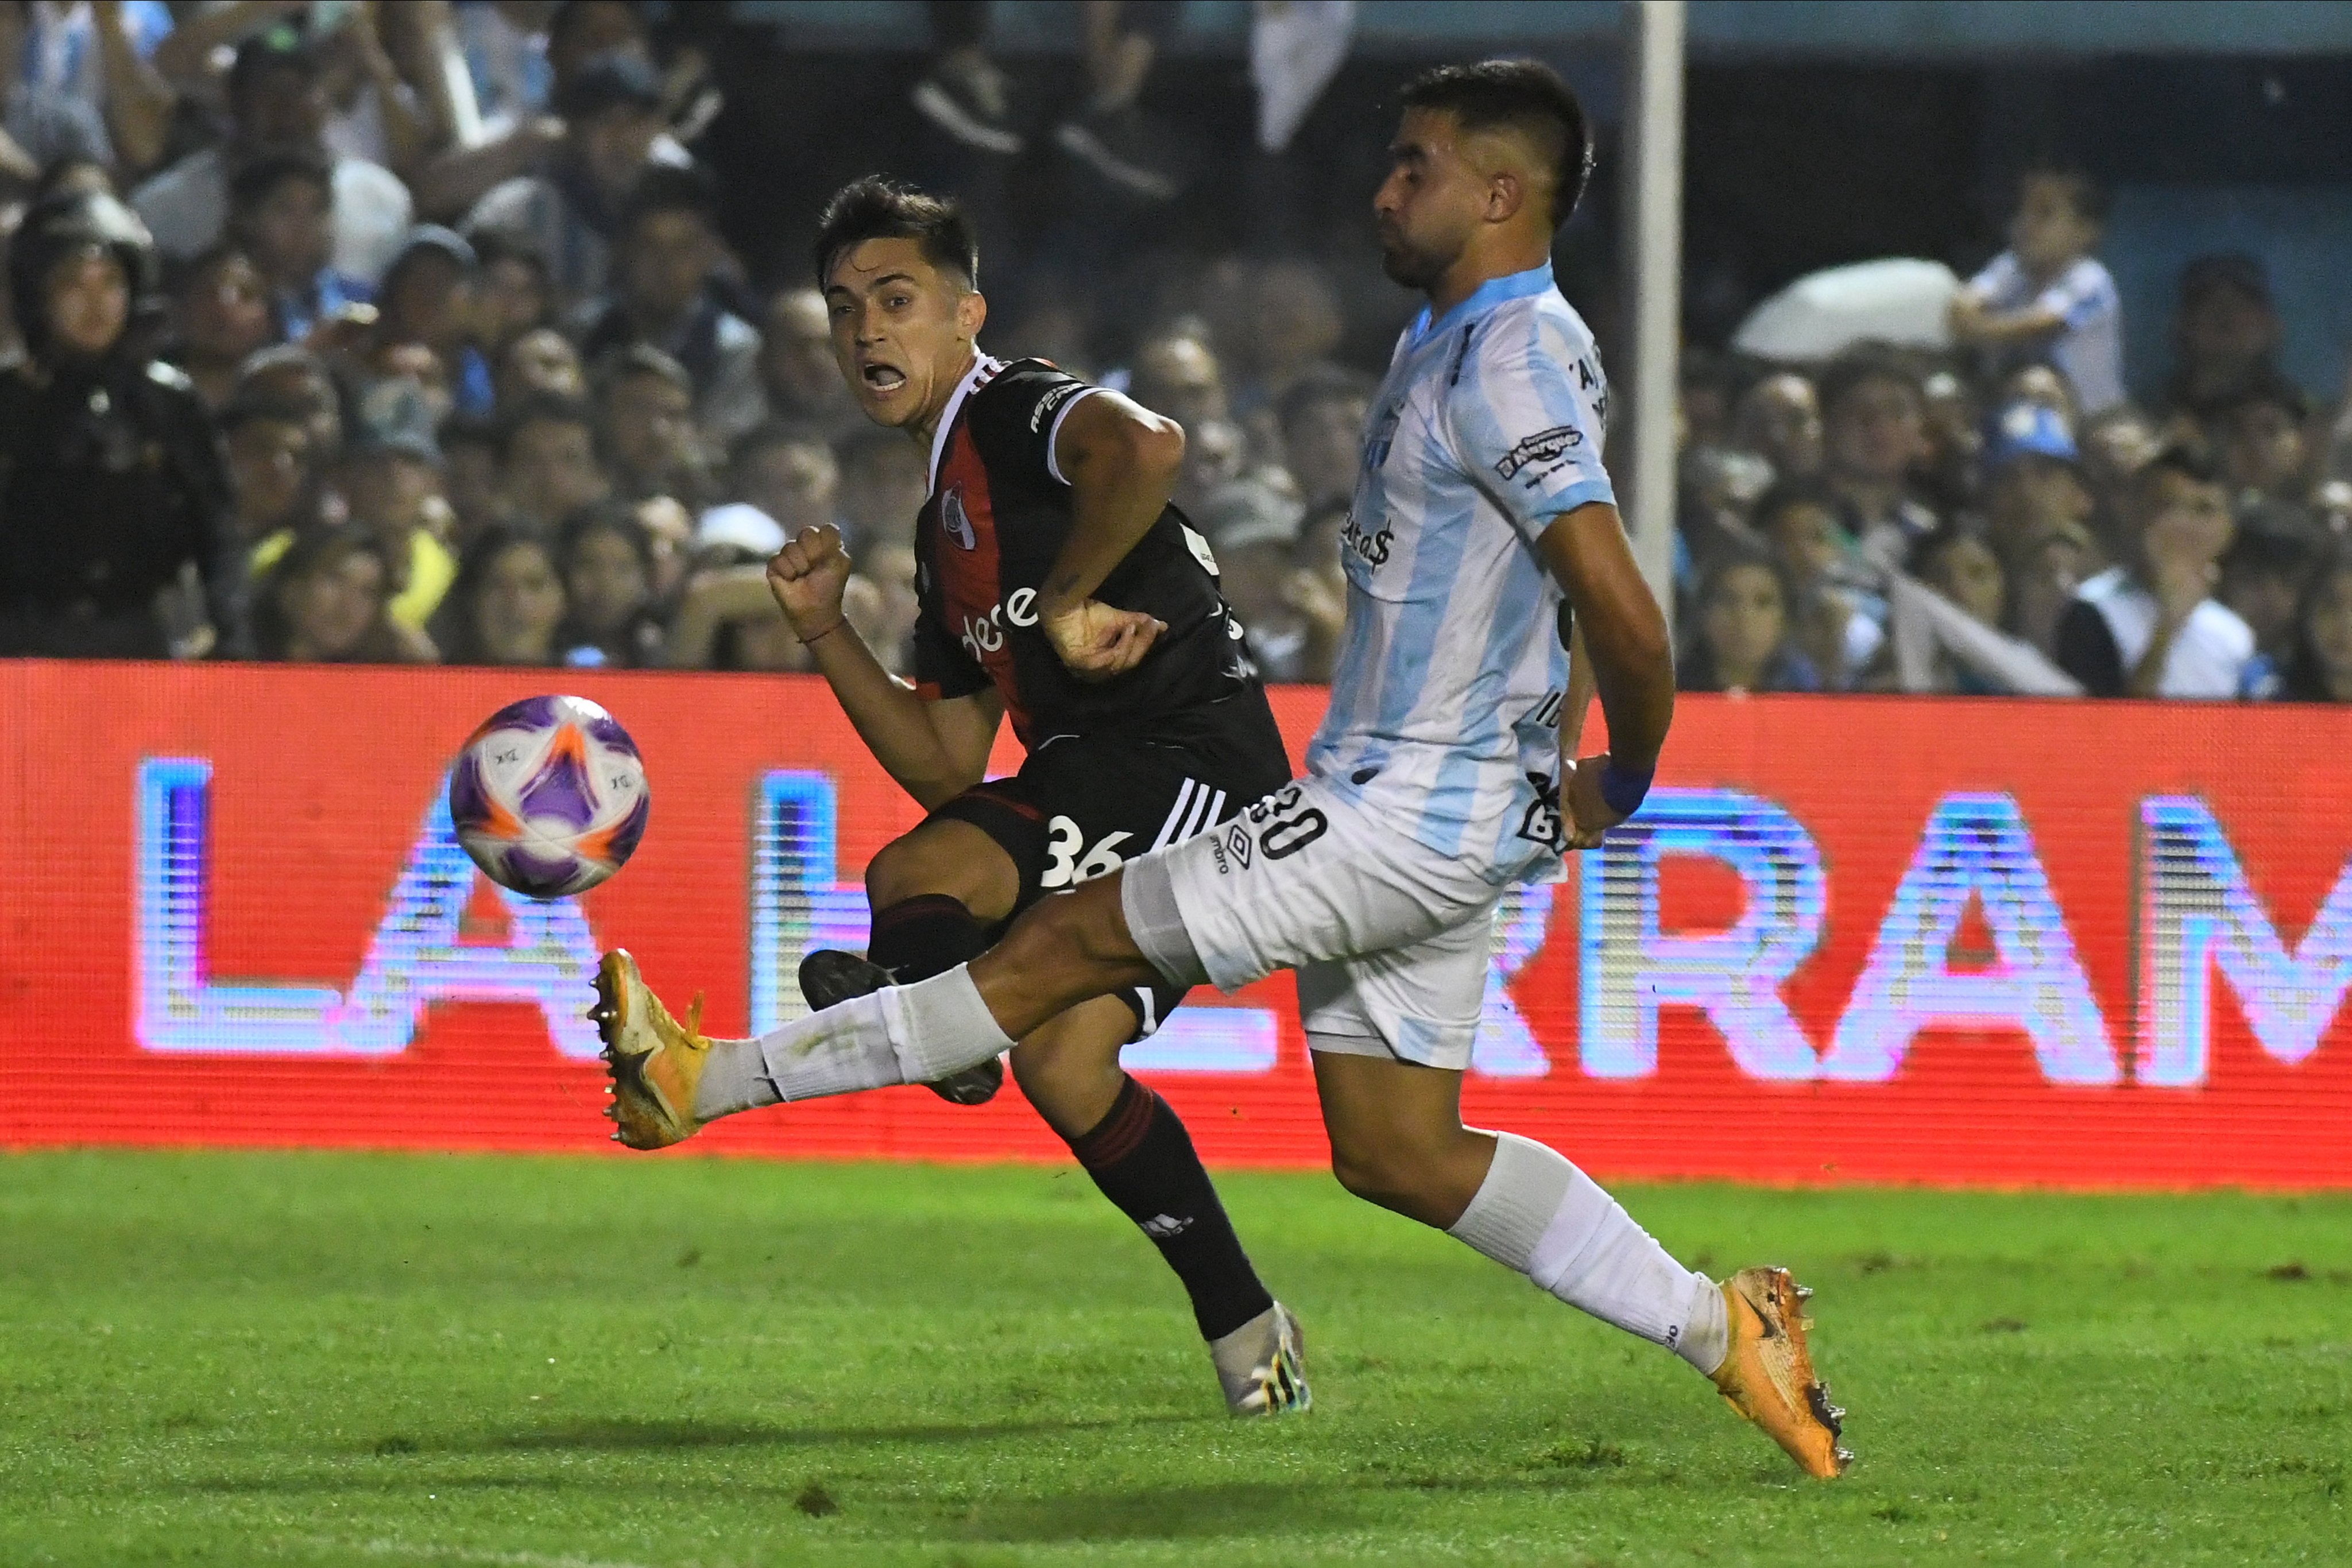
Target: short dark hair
{"points": [[2188, 460], [770, 433], [2090, 199], [667, 188], [281, 46], [879, 207], [1521, 95], [542, 408], [253, 184], [1320, 385], [614, 366], [1866, 362], [1803, 491]]}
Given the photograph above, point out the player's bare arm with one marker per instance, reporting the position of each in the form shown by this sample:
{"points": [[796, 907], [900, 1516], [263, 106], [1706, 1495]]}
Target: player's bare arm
{"points": [[1121, 460], [936, 751], [1624, 637]]}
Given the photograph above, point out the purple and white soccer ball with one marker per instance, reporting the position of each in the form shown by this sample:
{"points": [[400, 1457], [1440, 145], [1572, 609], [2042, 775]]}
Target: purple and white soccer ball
{"points": [[549, 796]]}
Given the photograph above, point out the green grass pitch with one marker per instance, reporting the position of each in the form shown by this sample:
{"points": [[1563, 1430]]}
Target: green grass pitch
{"points": [[335, 1359]]}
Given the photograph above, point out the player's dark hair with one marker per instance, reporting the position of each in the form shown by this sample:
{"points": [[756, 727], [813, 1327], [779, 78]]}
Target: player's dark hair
{"points": [[2089, 198], [879, 207], [1870, 361], [1521, 95], [667, 188]]}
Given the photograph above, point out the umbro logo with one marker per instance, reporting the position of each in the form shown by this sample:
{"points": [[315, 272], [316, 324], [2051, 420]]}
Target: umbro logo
{"points": [[1238, 843]]}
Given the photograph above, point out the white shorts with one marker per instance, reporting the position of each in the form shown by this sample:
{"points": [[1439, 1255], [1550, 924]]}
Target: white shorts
{"points": [[1390, 938]]}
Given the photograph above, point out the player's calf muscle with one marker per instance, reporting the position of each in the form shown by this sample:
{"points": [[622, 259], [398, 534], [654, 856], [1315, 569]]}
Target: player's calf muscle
{"points": [[1070, 949], [945, 857]]}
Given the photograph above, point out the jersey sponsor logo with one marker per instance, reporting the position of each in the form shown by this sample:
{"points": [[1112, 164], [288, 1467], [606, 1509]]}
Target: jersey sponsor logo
{"points": [[954, 520], [1545, 448], [984, 634], [1373, 548], [1050, 401]]}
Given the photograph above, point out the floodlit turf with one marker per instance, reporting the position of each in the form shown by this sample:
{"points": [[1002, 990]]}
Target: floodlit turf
{"points": [[323, 1360]]}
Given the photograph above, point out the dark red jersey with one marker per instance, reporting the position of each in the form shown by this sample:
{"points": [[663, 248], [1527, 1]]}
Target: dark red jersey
{"points": [[997, 517]]}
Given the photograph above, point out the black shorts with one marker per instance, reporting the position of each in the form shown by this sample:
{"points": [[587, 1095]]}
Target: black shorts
{"points": [[1083, 805]]}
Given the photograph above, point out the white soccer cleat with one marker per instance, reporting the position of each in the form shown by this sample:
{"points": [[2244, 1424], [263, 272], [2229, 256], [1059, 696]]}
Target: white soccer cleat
{"points": [[1263, 1365]]}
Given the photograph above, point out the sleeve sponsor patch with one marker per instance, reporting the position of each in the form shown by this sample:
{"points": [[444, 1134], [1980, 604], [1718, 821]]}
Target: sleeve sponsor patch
{"points": [[1544, 448]]}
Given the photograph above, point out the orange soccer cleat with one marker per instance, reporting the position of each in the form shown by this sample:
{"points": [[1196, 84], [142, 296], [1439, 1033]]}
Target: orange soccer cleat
{"points": [[654, 1061], [1767, 1375]]}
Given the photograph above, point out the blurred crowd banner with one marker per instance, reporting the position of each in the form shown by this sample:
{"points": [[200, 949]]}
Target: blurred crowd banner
{"points": [[1850, 940]]}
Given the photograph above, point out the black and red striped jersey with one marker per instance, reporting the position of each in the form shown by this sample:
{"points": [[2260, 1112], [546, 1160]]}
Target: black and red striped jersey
{"points": [[989, 533]]}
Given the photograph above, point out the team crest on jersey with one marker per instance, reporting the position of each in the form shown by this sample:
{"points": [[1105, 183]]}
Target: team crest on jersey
{"points": [[952, 519]]}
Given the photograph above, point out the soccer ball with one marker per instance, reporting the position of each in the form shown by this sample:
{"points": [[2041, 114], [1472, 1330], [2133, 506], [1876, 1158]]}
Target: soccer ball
{"points": [[549, 796]]}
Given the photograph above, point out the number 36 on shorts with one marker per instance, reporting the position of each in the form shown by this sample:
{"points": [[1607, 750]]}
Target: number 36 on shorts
{"points": [[1068, 867]]}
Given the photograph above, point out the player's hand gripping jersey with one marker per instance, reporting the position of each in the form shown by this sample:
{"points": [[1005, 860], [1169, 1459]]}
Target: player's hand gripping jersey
{"points": [[998, 514], [1446, 705]]}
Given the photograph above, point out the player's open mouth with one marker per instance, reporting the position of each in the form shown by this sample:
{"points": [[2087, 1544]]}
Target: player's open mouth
{"points": [[884, 378]]}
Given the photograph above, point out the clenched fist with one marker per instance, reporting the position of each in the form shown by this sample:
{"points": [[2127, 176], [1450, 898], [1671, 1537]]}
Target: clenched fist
{"points": [[808, 577]]}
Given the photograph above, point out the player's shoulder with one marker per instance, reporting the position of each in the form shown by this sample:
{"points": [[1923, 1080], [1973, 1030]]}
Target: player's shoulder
{"points": [[1540, 329], [1021, 399]]}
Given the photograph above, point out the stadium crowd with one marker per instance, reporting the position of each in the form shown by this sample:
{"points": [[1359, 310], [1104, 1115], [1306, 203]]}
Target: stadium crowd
{"points": [[408, 333]]}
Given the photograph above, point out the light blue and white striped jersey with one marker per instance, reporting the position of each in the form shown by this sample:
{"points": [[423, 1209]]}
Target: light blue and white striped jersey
{"points": [[1451, 675]]}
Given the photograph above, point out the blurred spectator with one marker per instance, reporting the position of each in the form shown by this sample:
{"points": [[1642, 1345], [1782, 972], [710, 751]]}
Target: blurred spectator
{"points": [[548, 467], [327, 601], [2037, 512], [1294, 324], [727, 620], [541, 363], [507, 603], [470, 477], [2260, 442], [1951, 416], [668, 251], [1743, 640], [373, 112], [2046, 298], [797, 372], [1322, 423], [965, 93], [271, 473], [513, 293], [277, 103], [1214, 456], [280, 215], [2225, 336], [2043, 387], [91, 63], [882, 487], [391, 477], [644, 426], [613, 118], [1176, 373], [607, 561], [1830, 621], [1256, 534], [1944, 627], [505, 46], [41, 124], [2321, 668], [2262, 579], [1779, 420], [787, 474], [2150, 626], [115, 512], [2114, 447], [1873, 430], [296, 378], [220, 317], [429, 298]]}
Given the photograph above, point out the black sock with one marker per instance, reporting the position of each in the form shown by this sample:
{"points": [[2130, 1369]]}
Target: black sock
{"points": [[1142, 1158], [916, 939]]}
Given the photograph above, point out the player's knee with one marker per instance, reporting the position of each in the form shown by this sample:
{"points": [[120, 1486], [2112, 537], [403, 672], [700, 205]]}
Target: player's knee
{"points": [[1399, 1176]]}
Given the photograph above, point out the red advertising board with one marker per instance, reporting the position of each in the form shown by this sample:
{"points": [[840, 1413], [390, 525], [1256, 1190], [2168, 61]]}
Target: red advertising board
{"points": [[1849, 939]]}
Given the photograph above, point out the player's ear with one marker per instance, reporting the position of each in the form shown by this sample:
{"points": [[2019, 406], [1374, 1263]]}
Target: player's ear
{"points": [[972, 313], [1506, 192]]}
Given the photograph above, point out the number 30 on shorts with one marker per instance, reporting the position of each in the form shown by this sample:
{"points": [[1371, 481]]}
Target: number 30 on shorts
{"points": [[1291, 829], [1067, 869]]}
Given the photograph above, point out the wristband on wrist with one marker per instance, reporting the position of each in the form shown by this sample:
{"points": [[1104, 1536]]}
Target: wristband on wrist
{"points": [[838, 623], [1623, 788]]}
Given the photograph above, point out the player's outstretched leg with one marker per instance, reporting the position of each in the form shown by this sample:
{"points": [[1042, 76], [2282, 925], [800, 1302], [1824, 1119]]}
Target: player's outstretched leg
{"points": [[1397, 1139]]}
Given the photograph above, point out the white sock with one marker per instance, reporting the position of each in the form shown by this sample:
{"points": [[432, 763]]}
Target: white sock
{"points": [[1538, 1214], [901, 1034]]}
